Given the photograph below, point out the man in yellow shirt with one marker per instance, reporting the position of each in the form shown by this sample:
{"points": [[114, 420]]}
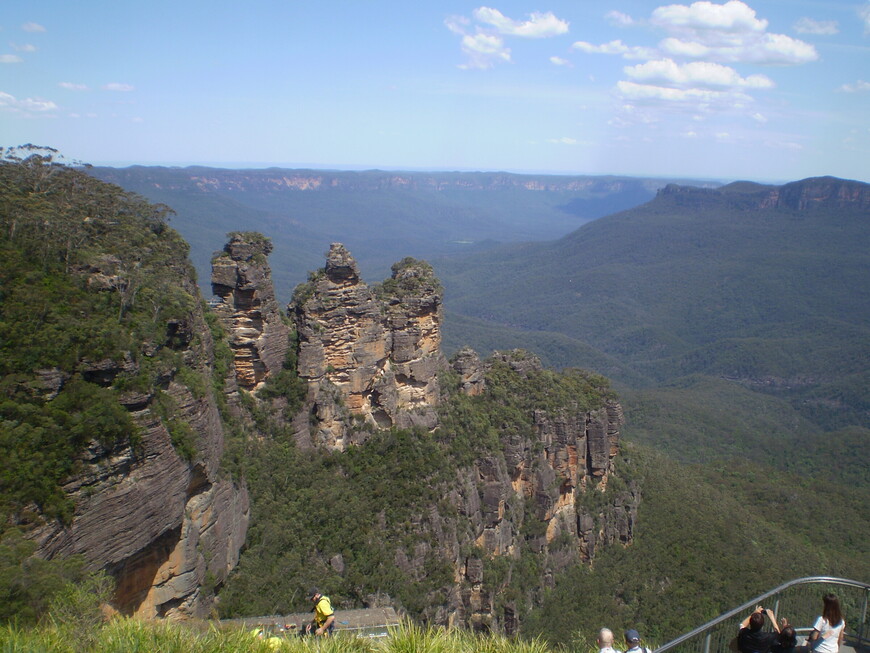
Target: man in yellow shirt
{"points": [[324, 615]]}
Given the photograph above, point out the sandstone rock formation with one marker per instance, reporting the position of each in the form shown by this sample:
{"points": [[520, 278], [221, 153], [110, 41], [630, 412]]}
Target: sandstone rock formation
{"points": [[368, 353], [167, 528], [242, 282], [546, 493]]}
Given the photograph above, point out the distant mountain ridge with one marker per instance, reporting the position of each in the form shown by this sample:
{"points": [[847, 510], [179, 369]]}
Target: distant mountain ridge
{"points": [[762, 285], [281, 179], [813, 192], [381, 216]]}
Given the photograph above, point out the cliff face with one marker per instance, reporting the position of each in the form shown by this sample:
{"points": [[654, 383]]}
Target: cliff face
{"points": [[372, 355], [203, 179], [536, 496], [371, 358], [159, 523], [111, 387], [822, 193], [247, 308]]}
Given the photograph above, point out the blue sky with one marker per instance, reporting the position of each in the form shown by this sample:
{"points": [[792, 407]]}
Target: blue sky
{"points": [[769, 90]]}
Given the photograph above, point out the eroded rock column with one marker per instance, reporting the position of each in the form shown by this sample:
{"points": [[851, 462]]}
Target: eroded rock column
{"points": [[245, 303]]}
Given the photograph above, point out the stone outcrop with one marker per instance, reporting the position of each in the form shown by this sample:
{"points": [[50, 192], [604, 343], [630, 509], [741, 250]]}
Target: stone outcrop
{"points": [[166, 526], [371, 353], [467, 364], [245, 303], [547, 493], [371, 358]]}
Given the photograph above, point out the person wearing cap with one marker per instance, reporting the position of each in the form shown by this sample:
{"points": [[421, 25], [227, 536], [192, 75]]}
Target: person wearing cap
{"points": [[632, 640], [605, 641], [324, 615]]}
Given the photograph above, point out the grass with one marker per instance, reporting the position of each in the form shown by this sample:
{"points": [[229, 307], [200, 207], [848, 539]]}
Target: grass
{"points": [[125, 635]]}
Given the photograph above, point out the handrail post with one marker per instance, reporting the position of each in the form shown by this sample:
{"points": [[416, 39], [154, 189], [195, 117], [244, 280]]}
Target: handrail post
{"points": [[707, 642], [863, 616]]}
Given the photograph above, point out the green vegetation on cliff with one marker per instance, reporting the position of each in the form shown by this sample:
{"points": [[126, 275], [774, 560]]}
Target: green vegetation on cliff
{"points": [[89, 280], [96, 304], [342, 520]]}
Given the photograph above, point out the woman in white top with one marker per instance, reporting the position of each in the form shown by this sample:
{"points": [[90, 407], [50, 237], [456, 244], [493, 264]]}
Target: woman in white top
{"points": [[828, 630]]}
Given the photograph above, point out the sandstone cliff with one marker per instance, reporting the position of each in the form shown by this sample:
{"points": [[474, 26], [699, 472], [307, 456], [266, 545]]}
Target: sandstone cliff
{"points": [[544, 494], [247, 308], [814, 193], [163, 525], [109, 394], [369, 356]]}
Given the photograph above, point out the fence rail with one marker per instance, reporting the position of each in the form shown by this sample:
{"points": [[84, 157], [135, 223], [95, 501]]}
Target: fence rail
{"points": [[799, 600]]}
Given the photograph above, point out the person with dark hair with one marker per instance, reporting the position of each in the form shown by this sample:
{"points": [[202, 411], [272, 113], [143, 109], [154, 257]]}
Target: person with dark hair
{"points": [[324, 615], [786, 642], [751, 639], [828, 630]]}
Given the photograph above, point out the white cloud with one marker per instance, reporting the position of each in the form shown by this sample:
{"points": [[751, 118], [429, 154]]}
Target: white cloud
{"points": [[615, 47], [754, 48], [729, 33], [32, 27], [810, 26], [695, 68], [115, 86], [565, 140], [559, 61], [457, 24], [696, 73], [10, 58], [24, 47], [864, 14], [734, 17], [484, 50], [538, 26], [857, 87], [70, 86], [618, 19], [482, 43], [651, 92], [784, 145], [27, 105]]}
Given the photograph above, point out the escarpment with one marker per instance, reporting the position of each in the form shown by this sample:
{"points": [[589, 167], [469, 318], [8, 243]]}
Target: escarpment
{"points": [[108, 401], [156, 514], [370, 353], [542, 492]]}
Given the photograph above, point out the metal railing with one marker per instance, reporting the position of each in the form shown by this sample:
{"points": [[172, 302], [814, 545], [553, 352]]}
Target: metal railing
{"points": [[798, 600]]}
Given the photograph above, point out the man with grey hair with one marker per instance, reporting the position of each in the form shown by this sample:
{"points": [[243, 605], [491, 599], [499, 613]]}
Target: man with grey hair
{"points": [[605, 641]]}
